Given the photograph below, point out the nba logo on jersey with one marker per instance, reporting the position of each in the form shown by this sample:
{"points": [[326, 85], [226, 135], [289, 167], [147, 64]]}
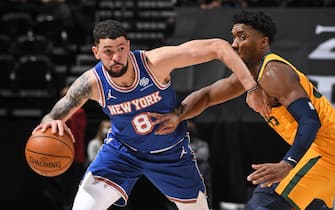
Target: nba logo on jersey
{"points": [[144, 81]]}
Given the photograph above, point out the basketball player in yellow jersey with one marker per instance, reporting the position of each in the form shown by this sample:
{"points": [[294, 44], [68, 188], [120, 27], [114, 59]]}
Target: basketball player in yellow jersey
{"points": [[300, 115]]}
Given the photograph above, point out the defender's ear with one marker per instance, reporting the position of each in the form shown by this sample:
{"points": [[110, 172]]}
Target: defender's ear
{"points": [[265, 42]]}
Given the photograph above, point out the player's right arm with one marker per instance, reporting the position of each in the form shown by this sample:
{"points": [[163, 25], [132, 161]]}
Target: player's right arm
{"points": [[195, 103], [79, 92]]}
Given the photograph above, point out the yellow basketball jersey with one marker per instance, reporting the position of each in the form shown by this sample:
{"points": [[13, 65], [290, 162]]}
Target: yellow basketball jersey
{"points": [[313, 176], [284, 123]]}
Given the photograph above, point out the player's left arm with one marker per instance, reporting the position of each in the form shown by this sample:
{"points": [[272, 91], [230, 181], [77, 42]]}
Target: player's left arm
{"points": [[164, 60], [281, 82]]}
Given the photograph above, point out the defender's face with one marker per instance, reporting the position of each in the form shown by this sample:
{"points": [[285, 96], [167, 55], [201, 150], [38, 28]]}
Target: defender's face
{"points": [[113, 54], [247, 42]]}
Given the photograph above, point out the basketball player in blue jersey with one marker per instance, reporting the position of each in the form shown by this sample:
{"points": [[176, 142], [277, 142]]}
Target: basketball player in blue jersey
{"points": [[300, 115], [129, 84]]}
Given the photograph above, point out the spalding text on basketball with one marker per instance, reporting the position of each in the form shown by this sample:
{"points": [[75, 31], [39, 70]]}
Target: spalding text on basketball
{"points": [[37, 162]]}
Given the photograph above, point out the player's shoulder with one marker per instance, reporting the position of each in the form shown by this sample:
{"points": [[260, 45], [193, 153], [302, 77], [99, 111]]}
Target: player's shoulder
{"points": [[85, 83], [88, 75], [276, 70]]}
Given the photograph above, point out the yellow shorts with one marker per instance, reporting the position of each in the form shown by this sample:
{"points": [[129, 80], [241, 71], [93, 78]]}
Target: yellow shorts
{"points": [[312, 178]]}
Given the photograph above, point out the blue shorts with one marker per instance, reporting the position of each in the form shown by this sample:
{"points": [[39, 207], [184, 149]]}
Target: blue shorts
{"points": [[174, 172], [266, 199]]}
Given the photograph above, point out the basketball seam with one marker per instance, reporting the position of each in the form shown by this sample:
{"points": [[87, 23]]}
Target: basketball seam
{"points": [[57, 140], [40, 153]]}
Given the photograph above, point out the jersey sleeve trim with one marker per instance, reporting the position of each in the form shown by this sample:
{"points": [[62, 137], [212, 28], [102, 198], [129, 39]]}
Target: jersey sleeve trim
{"points": [[152, 75], [102, 100]]}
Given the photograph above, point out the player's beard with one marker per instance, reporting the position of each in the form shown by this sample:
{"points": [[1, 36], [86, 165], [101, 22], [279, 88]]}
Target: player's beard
{"points": [[118, 73]]}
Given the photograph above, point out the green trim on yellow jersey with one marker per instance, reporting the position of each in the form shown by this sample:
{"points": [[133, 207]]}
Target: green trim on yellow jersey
{"points": [[295, 180]]}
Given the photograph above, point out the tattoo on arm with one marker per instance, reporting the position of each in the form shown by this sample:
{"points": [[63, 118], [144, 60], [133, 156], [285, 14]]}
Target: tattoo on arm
{"points": [[78, 93]]}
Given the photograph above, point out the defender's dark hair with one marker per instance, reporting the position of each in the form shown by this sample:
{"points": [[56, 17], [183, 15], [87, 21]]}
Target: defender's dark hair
{"points": [[259, 21], [108, 29]]}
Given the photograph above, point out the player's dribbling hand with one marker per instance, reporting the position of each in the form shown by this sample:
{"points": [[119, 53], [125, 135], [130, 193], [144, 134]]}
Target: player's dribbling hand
{"points": [[167, 122], [56, 126]]}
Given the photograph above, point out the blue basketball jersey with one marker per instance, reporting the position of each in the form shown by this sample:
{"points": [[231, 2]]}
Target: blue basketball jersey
{"points": [[127, 107]]}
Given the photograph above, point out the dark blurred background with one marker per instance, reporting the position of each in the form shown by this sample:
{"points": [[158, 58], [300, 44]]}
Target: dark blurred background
{"points": [[45, 45]]}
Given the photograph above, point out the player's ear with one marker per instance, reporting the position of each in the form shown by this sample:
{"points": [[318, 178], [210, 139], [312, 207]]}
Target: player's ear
{"points": [[95, 52], [265, 42], [128, 43]]}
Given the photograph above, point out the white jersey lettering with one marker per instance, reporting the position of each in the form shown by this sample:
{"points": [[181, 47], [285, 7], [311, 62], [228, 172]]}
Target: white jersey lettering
{"points": [[120, 108], [139, 103]]}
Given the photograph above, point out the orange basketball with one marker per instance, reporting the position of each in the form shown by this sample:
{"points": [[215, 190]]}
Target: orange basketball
{"points": [[49, 154]]}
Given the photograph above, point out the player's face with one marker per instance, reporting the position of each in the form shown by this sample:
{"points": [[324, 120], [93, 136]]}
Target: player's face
{"points": [[248, 43], [113, 54]]}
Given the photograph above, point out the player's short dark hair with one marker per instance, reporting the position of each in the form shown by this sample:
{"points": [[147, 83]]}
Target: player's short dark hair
{"points": [[108, 29], [259, 21]]}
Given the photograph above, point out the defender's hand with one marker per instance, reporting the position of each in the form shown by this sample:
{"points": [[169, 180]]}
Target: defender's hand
{"points": [[259, 101], [167, 122], [269, 173]]}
